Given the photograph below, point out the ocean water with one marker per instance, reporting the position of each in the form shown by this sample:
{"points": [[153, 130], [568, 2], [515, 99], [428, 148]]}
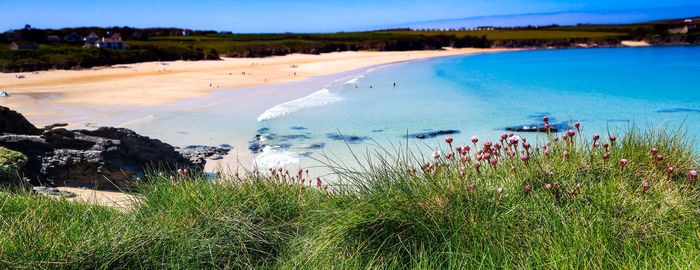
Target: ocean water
{"points": [[605, 89]]}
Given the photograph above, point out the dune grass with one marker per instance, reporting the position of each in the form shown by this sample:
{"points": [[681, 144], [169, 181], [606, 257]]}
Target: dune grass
{"points": [[394, 211]]}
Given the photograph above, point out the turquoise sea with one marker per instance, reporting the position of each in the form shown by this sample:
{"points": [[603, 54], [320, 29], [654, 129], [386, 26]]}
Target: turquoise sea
{"points": [[606, 89]]}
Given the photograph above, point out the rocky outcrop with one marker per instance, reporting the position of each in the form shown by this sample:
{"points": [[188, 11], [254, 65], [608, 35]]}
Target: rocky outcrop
{"points": [[13, 122], [198, 154], [106, 158], [431, 134]]}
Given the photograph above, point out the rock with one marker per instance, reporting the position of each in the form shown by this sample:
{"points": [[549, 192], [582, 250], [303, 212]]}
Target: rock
{"points": [[431, 134], [53, 192], [198, 154], [13, 122], [104, 158], [57, 125]]}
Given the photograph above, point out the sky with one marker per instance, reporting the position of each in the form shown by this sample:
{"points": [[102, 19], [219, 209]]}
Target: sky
{"points": [[265, 16]]}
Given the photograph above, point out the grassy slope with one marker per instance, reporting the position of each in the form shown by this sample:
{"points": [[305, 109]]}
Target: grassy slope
{"points": [[385, 215]]}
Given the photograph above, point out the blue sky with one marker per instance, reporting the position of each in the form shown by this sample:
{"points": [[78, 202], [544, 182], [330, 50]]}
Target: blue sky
{"points": [[285, 16]]}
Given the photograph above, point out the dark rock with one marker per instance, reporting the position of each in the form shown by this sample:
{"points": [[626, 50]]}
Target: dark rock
{"points": [[256, 147], [431, 134], [57, 125], [13, 122], [104, 158], [198, 154], [347, 138]]}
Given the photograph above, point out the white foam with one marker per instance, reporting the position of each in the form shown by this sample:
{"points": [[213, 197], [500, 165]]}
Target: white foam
{"points": [[354, 80], [275, 158], [318, 98]]}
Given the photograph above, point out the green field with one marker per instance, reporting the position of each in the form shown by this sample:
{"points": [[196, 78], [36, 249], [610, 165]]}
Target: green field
{"points": [[167, 44]]}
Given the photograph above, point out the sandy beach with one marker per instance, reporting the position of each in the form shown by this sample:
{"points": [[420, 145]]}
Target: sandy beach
{"points": [[154, 83]]}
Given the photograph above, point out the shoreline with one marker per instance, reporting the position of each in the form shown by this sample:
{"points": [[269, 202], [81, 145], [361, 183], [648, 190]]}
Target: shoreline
{"points": [[157, 83]]}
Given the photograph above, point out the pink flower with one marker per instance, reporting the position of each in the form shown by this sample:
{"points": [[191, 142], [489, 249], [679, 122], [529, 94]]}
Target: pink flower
{"points": [[172, 178], [556, 139], [526, 145], [528, 188], [475, 139], [566, 154], [605, 145], [654, 150], [546, 126], [499, 190], [545, 119], [504, 136], [548, 186], [571, 133], [512, 168], [494, 161], [449, 140], [623, 162], [472, 186], [659, 157], [459, 149], [525, 157], [645, 187], [185, 171], [693, 175], [606, 155], [487, 156], [179, 171], [578, 186], [596, 137], [612, 138], [577, 125], [436, 154], [546, 152]]}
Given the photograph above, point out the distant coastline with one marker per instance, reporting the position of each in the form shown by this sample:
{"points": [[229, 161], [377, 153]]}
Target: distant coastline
{"points": [[30, 49]]}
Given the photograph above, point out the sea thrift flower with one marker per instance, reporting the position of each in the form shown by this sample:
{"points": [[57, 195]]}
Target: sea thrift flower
{"points": [[571, 133], [546, 152], [499, 190], [548, 186], [670, 171], [436, 154], [525, 158], [459, 149], [658, 158], [449, 140], [528, 188], [512, 168], [566, 155], [476, 166], [596, 137], [472, 186], [179, 171], [556, 139], [578, 125], [693, 175], [623, 162], [172, 178], [595, 145], [645, 187], [571, 193], [475, 139], [612, 139], [504, 136], [494, 162], [578, 186], [545, 119]]}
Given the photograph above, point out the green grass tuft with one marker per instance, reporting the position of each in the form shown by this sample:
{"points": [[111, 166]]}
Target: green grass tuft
{"points": [[389, 213]]}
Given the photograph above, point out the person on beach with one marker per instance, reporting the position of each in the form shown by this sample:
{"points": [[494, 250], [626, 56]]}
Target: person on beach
{"points": [[209, 84], [394, 85]]}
